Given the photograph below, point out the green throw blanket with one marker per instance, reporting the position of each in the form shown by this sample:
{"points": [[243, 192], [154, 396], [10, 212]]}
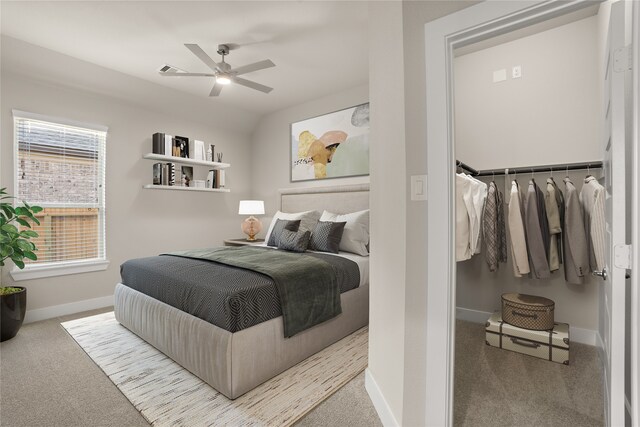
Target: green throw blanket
{"points": [[308, 288]]}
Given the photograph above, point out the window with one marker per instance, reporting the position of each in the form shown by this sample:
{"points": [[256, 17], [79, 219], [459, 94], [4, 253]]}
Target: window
{"points": [[60, 166]]}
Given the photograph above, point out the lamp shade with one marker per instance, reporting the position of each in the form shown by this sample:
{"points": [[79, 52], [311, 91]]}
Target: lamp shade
{"points": [[251, 207]]}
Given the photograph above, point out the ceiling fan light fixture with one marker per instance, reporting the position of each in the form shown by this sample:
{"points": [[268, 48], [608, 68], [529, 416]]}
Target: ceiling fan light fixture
{"points": [[223, 80]]}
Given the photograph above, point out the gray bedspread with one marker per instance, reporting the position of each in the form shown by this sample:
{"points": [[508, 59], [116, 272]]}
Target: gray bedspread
{"points": [[229, 297]]}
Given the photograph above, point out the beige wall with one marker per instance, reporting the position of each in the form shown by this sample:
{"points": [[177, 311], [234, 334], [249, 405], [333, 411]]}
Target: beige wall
{"points": [[549, 115], [271, 148], [138, 222], [415, 15], [388, 205]]}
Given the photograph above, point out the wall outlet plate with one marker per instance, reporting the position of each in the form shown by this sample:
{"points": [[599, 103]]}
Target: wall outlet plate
{"points": [[516, 72]]}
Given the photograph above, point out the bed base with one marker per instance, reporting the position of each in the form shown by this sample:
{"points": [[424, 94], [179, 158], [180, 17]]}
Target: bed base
{"points": [[233, 363]]}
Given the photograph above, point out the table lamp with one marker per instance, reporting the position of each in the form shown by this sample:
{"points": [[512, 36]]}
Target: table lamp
{"points": [[252, 225]]}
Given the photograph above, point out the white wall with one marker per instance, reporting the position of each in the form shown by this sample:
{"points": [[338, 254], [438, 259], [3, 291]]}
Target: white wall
{"points": [[549, 115], [138, 222], [271, 148]]}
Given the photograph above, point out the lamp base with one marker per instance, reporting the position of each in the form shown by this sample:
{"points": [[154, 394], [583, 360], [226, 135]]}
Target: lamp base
{"points": [[251, 226]]}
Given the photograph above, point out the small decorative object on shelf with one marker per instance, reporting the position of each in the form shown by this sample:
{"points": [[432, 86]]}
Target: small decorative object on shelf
{"points": [[219, 157], [187, 172], [252, 225]]}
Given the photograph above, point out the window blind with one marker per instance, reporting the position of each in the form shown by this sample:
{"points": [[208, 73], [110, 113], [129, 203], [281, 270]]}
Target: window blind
{"points": [[61, 167]]}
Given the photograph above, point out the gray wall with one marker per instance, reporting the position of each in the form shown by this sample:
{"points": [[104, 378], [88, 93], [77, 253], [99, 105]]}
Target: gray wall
{"points": [[271, 148], [138, 222], [549, 115]]}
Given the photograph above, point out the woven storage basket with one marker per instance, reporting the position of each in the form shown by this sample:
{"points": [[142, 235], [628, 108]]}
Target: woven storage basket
{"points": [[528, 311]]}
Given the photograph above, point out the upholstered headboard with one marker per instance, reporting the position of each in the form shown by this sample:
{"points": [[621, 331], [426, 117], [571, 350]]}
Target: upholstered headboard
{"points": [[339, 199]]}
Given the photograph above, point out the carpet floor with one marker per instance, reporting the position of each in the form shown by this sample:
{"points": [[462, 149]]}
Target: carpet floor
{"points": [[46, 379], [495, 387]]}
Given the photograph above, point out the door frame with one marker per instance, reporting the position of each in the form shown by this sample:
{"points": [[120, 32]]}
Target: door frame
{"points": [[635, 223], [485, 20]]}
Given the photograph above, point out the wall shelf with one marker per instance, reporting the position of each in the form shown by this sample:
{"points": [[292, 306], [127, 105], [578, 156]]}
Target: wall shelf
{"points": [[181, 188], [185, 161]]}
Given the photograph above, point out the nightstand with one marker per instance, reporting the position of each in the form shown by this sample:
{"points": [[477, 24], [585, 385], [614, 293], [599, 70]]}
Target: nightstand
{"points": [[242, 242]]}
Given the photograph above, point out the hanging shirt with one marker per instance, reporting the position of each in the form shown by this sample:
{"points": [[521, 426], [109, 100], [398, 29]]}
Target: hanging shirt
{"points": [[592, 198], [519, 254], [463, 249], [479, 196]]}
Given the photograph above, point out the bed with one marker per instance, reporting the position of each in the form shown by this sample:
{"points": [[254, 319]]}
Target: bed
{"points": [[235, 362]]}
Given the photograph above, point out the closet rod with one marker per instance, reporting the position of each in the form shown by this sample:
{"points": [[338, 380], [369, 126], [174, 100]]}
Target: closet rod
{"points": [[466, 167], [546, 168]]}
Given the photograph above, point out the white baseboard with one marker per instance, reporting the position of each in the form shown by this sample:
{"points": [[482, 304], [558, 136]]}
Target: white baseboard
{"points": [[582, 336], [70, 308], [379, 403]]}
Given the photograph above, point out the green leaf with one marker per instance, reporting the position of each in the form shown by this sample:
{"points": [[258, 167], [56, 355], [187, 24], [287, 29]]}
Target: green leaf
{"points": [[9, 228], [24, 245], [8, 210], [6, 251], [23, 222], [22, 211], [34, 219], [36, 209], [28, 233], [30, 255], [18, 263], [4, 239]]}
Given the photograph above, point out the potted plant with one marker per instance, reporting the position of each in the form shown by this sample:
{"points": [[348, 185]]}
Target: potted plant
{"points": [[14, 245]]}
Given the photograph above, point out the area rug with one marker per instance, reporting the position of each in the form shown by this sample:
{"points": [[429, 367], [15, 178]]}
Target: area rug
{"points": [[168, 395]]}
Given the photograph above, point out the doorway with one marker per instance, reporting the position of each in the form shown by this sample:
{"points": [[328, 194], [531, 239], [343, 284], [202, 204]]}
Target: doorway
{"points": [[464, 28]]}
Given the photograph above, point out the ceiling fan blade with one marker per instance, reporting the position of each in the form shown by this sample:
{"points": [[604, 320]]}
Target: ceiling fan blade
{"points": [[197, 51], [187, 74], [267, 63], [215, 90], [252, 85]]}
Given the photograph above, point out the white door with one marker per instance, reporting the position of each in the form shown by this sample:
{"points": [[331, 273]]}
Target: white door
{"points": [[612, 295]]}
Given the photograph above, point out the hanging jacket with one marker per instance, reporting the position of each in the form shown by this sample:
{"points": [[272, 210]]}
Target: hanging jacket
{"points": [[555, 227], [519, 253], [536, 242], [592, 198], [576, 256]]}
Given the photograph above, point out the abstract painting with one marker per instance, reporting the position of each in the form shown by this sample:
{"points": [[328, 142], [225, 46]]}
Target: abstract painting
{"points": [[334, 145]]}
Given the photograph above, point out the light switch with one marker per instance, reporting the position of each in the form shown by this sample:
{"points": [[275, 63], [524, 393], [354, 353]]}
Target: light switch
{"points": [[418, 187], [500, 75]]}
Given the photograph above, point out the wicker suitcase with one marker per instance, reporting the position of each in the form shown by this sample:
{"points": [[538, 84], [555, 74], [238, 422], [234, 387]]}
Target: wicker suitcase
{"points": [[528, 311], [550, 345]]}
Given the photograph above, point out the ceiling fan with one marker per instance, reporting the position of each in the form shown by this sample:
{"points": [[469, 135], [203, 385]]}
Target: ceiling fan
{"points": [[222, 71]]}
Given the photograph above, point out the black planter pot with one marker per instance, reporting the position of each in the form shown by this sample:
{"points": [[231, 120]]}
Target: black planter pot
{"points": [[12, 310]]}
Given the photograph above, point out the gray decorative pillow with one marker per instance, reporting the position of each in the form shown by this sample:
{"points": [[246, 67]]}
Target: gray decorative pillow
{"points": [[294, 241], [326, 237], [282, 224]]}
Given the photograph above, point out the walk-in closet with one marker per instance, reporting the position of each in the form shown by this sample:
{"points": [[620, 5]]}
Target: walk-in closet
{"points": [[530, 149]]}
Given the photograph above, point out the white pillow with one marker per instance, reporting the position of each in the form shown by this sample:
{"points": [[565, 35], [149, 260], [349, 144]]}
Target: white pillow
{"points": [[356, 231], [307, 219]]}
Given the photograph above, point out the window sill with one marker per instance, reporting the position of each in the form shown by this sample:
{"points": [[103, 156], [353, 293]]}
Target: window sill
{"points": [[62, 269]]}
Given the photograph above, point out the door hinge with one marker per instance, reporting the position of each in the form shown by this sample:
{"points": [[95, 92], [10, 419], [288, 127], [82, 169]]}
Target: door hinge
{"points": [[622, 59], [622, 256]]}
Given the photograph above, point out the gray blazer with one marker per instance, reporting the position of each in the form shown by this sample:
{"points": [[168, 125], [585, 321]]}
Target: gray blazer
{"points": [[576, 250], [538, 261]]}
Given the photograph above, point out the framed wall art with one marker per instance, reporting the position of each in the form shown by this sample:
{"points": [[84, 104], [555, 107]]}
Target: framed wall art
{"points": [[334, 145]]}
